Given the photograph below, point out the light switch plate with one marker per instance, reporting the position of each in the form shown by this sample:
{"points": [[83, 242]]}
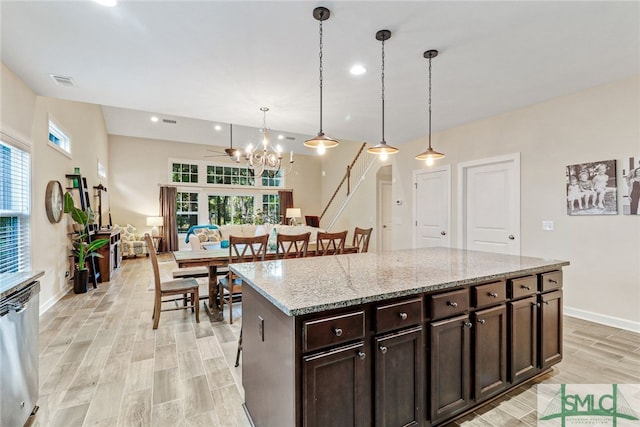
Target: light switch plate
{"points": [[547, 225]]}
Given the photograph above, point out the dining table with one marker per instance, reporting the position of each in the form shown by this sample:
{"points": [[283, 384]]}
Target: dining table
{"points": [[215, 257]]}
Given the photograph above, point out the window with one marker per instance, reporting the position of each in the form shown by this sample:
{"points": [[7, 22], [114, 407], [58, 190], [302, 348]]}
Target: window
{"points": [[186, 211], [230, 209], [184, 172], [15, 196], [59, 139], [271, 208], [272, 179], [230, 175]]}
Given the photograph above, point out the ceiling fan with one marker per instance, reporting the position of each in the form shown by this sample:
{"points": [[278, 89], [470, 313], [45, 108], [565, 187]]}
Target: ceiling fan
{"points": [[228, 152]]}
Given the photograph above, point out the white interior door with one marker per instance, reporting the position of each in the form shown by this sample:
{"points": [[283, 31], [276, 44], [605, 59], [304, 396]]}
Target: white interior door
{"points": [[490, 205], [386, 202], [432, 201]]}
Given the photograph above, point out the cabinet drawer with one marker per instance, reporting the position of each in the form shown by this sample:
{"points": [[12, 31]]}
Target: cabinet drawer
{"points": [[522, 287], [398, 315], [489, 294], [550, 280], [449, 303], [333, 330]]}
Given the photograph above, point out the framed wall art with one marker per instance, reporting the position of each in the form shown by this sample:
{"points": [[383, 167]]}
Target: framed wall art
{"points": [[630, 186], [592, 188]]}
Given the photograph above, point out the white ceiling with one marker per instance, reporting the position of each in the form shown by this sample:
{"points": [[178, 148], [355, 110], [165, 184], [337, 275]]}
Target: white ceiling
{"points": [[219, 62]]}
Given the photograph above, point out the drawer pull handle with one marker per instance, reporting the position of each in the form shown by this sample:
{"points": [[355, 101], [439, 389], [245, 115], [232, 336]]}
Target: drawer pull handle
{"points": [[525, 287], [493, 294], [481, 321], [383, 349], [467, 324], [338, 332], [553, 281], [362, 355], [452, 304], [403, 316], [546, 302]]}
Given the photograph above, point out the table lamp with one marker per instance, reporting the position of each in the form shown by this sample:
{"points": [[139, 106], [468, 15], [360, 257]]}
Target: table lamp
{"points": [[292, 214], [154, 222]]}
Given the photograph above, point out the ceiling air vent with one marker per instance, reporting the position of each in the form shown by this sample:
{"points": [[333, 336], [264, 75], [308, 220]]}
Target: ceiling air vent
{"points": [[290, 138], [169, 121], [63, 80]]}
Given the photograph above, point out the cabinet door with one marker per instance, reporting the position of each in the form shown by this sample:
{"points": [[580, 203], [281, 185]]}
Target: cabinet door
{"points": [[550, 328], [523, 338], [334, 385], [399, 380], [490, 350], [449, 367]]}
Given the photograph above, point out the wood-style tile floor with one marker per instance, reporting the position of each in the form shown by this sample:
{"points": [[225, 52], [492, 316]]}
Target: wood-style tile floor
{"points": [[101, 363]]}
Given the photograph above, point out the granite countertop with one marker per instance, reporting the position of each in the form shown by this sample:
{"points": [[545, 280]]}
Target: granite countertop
{"points": [[13, 282], [314, 284]]}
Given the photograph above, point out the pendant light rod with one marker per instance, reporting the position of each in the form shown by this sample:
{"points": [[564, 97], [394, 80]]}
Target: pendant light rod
{"points": [[430, 155], [321, 141], [382, 148]]}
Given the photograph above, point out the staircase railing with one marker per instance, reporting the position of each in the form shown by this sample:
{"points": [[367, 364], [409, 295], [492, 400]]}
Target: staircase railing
{"points": [[354, 175]]}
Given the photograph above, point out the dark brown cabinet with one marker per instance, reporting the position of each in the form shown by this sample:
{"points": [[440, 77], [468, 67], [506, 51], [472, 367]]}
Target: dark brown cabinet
{"points": [[111, 254], [489, 351], [399, 380], [550, 328], [334, 387], [418, 360], [523, 338], [450, 359]]}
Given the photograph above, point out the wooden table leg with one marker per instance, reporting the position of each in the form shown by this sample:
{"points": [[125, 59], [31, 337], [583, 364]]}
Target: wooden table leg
{"points": [[211, 308]]}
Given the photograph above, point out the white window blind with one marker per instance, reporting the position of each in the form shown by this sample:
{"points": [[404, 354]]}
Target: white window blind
{"points": [[15, 208]]}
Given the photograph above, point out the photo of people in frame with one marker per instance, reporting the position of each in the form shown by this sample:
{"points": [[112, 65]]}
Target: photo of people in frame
{"points": [[592, 189], [630, 186]]}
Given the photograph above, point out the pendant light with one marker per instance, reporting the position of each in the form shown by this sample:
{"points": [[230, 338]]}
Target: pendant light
{"points": [[430, 155], [383, 149], [321, 142]]}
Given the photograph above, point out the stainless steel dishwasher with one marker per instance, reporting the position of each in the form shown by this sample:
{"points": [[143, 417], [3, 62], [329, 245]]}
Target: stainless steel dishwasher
{"points": [[19, 330]]}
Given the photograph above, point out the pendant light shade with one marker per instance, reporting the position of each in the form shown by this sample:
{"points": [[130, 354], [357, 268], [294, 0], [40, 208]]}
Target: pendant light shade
{"points": [[430, 155], [321, 141], [382, 148]]}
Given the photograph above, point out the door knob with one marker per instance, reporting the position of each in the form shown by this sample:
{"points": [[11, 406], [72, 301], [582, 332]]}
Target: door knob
{"points": [[511, 237], [384, 226], [444, 233]]}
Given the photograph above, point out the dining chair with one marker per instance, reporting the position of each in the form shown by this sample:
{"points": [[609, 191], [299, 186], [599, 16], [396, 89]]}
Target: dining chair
{"points": [[241, 249], [292, 245], [330, 243], [182, 287], [361, 237]]}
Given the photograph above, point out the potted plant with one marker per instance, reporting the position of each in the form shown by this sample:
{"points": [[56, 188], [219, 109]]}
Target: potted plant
{"points": [[82, 249]]}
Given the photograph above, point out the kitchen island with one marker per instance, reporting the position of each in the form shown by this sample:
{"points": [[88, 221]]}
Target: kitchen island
{"points": [[410, 337]]}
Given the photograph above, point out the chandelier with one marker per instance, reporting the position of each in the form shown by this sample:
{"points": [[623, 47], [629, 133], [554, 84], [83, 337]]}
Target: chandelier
{"points": [[264, 159]]}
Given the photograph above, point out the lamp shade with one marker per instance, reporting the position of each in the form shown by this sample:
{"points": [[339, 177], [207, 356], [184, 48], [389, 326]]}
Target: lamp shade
{"points": [[154, 221], [293, 213]]}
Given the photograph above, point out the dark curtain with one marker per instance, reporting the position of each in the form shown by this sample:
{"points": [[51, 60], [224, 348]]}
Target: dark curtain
{"points": [[286, 201], [169, 225]]}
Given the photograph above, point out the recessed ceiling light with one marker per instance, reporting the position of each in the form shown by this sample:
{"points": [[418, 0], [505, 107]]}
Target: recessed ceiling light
{"points": [[217, 127], [154, 119], [108, 3], [358, 70], [280, 136]]}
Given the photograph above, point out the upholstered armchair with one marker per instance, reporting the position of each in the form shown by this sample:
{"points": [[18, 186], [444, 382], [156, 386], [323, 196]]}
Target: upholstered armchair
{"points": [[132, 243]]}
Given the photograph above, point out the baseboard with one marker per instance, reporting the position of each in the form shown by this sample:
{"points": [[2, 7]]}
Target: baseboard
{"points": [[51, 301], [603, 319]]}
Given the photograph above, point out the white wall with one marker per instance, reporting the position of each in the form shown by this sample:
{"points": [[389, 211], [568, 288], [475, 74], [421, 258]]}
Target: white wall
{"points": [[132, 199], [27, 115], [598, 124]]}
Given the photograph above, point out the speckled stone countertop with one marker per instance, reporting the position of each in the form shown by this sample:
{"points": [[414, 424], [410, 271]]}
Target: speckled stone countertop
{"points": [[13, 282], [314, 284]]}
